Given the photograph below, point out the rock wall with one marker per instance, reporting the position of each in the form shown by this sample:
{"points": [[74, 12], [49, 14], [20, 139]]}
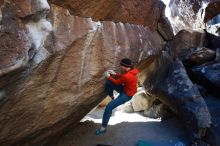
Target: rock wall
{"points": [[52, 61], [127, 11], [170, 83], [187, 14], [23, 30], [53, 56]]}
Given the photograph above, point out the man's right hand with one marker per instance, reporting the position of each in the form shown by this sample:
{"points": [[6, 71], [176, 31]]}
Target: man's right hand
{"points": [[107, 74]]}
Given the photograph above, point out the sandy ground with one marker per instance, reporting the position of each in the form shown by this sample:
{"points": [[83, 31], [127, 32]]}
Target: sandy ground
{"points": [[125, 130]]}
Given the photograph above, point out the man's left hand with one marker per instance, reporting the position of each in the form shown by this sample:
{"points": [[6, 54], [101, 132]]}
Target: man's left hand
{"points": [[112, 72]]}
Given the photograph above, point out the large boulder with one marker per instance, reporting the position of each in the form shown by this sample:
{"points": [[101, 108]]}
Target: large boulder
{"points": [[164, 26], [141, 102], [187, 14], [23, 30], [207, 75], [158, 110], [213, 40], [171, 84], [199, 56], [13, 39], [213, 133], [212, 10], [114, 36], [56, 82], [183, 43], [217, 56]]}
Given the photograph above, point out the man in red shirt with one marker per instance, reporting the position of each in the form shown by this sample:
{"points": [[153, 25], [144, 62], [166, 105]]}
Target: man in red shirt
{"points": [[125, 84]]}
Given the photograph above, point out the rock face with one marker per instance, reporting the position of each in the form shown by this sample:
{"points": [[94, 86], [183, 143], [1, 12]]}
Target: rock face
{"points": [[213, 134], [191, 15], [213, 41], [208, 75], [125, 11], [183, 43], [14, 46], [23, 32], [211, 10], [53, 56], [159, 110], [114, 36], [51, 72], [128, 11], [199, 56], [173, 87], [217, 56], [187, 14], [165, 28]]}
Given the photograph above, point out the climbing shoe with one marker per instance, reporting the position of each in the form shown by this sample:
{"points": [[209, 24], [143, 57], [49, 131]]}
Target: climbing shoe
{"points": [[99, 131]]}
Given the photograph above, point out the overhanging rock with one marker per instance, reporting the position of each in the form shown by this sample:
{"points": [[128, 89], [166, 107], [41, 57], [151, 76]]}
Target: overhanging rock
{"points": [[171, 84]]}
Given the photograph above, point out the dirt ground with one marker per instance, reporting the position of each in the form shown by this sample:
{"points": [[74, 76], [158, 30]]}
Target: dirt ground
{"points": [[125, 130]]}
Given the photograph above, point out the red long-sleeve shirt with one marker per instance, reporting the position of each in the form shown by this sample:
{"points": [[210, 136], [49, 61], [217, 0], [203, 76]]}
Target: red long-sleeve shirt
{"points": [[129, 80]]}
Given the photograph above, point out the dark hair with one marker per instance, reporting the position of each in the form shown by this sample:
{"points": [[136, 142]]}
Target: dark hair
{"points": [[126, 62]]}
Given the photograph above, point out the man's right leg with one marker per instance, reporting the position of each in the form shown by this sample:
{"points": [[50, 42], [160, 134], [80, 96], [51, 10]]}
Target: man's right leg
{"points": [[122, 98], [110, 87]]}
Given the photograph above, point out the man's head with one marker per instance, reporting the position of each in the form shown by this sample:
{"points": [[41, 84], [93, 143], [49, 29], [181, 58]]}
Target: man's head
{"points": [[126, 64]]}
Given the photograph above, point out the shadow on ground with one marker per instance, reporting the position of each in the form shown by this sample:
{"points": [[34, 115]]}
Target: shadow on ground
{"points": [[165, 133]]}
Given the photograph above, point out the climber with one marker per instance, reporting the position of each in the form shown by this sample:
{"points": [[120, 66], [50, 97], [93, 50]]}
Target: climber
{"points": [[125, 84]]}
